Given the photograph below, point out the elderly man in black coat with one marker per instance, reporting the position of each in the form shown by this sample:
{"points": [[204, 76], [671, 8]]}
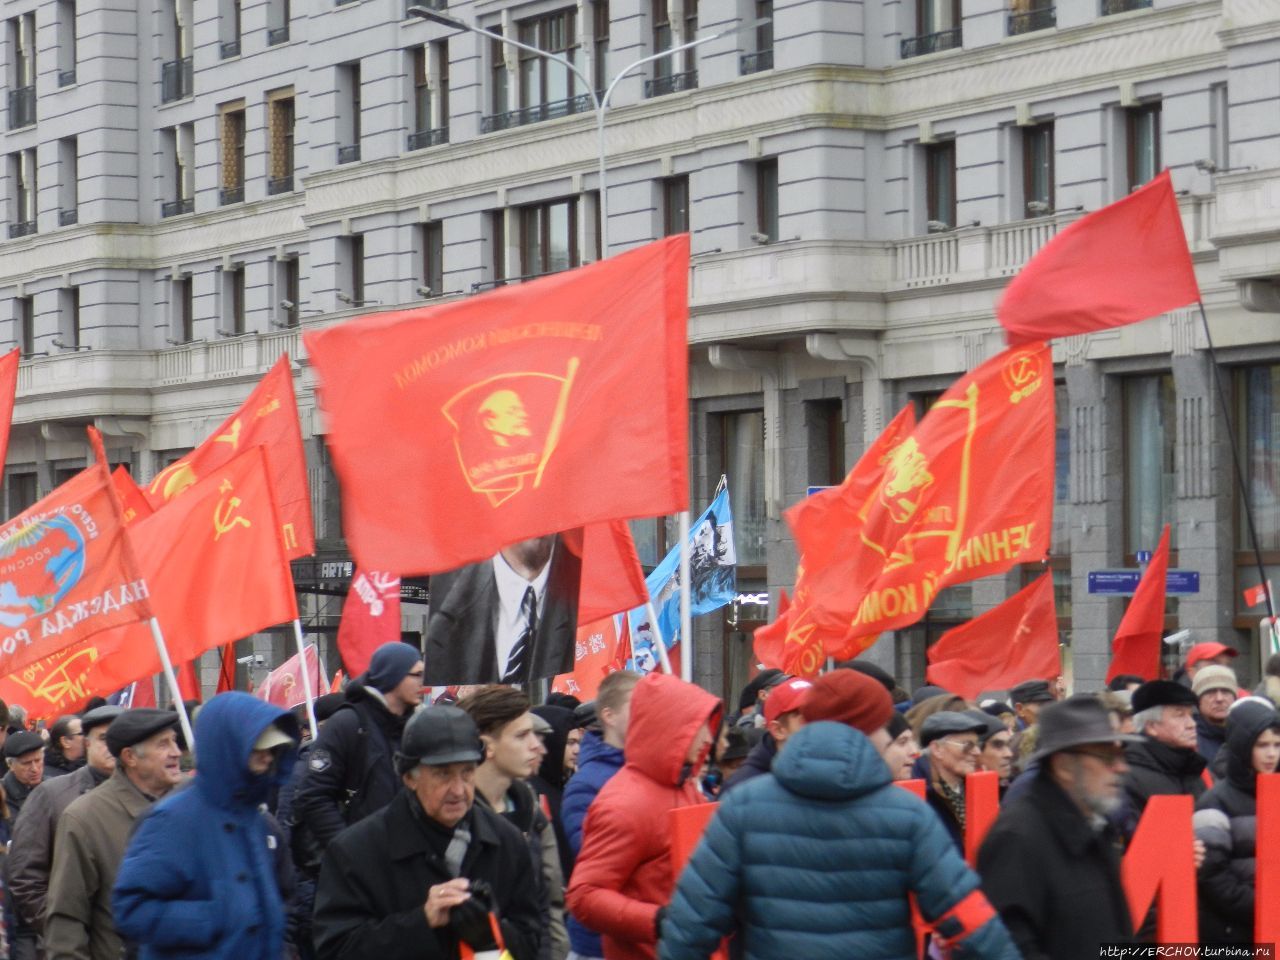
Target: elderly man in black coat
{"points": [[425, 874], [1164, 760], [1051, 863]]}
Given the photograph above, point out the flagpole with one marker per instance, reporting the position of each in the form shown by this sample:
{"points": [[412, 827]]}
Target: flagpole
{"points": [[686, 604], [1236, 464], [167, 665], [306, 677], [657, 636]]}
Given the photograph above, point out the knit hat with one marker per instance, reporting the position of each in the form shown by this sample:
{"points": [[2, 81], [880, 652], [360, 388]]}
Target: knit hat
{"points": [[848, 697], [1214, 677], [390, 664]]}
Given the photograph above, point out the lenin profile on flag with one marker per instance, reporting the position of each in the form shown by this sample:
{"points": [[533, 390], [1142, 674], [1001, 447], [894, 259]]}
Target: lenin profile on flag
{"points": [[511, 618]]}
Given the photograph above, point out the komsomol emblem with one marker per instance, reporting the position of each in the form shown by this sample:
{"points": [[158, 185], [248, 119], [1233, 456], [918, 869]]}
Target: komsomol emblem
{"points": [[506, 427], [39, 563], [1023, 374]]}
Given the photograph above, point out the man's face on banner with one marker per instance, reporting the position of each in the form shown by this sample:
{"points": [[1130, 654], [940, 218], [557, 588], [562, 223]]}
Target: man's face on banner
{"points": [[528, 557]]}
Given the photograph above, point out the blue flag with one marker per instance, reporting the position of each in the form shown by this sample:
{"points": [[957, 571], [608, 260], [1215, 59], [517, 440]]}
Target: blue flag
{"points": [[713, 581]]}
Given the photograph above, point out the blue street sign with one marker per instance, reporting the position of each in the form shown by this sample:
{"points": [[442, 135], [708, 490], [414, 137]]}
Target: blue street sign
{"points": [[813, 490], [1125, 582], [1144, 557]]}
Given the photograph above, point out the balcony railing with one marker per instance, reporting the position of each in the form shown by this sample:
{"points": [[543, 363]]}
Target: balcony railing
{"points": [[428, 138], [230, 195], [930, 43], [349, 154], [429, 4], [67, 78], [755, 62], [22, 107], [1123, 6], [230, 48], [23, 228], [173, 208], [1029, 21], [280, 185], [67, 217], [674, 83], [175, 80], [278, 35], [536, 113]]}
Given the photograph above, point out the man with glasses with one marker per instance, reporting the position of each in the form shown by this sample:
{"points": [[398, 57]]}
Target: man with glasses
{"points": [[951, 739], [351, 768], [1051, 863]]}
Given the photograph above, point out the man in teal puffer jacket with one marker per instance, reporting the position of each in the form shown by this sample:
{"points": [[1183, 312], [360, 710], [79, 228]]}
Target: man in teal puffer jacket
{"points": [[817, 859]]}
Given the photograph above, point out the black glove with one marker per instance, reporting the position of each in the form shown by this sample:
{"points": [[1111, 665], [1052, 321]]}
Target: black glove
{"points": [[657, 923], [470, 919]]}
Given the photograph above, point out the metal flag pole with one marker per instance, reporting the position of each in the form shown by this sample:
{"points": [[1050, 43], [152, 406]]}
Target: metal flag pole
{"points": [[306, 678], [659, 639], [686, 603], [167, 665]]}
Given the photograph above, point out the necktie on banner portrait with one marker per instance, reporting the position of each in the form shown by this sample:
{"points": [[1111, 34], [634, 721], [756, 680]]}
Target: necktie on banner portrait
{"points": [[1135, 648], [529, 410], [283, 686], [215, 571], [713, 567], [268, 417], [370, 618], [1121, 264], [1015, 641]]}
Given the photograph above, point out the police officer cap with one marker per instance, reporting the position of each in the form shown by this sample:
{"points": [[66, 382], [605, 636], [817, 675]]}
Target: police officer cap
{"points": [[947, 722], [98, 716], [439, 735], [134, 726], [23, 742]]}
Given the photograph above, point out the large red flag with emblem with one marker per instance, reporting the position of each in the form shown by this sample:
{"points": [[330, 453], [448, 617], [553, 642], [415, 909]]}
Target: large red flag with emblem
{"points": [[370, 618], [1015, 641], [268, 417], [1135, 648], [284, 686], [533, 409], [1121, 264]]}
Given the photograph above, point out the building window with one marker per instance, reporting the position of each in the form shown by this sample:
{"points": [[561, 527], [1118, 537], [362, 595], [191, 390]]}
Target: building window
{"points": [[231, 122], [498, 81], [498, 245], [430, 66], [1026, 16], [69, 317], [743, 459], [22, 173], [940, 184], [432, 258], [675, 206], [280, 127], [178, 146], [542, 82], [23, 492], [352, 253], [671, 75], [767, 200], [233, 299], [182, 322], [937, 28], [548, 237], [229, 28], [348, 112], [600, 44], [24, 318], [1037, 169], [279, 13], [1142, 140], [1258, 411], [288, 281], [1149, 435], [66, 29], [762, 58], [22, 71], [68, 181], [1060, 538], [824, 423], [176, 72]]}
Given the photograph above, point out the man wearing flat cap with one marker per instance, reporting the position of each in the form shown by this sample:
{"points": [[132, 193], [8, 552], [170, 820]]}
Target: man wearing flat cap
{"points": [[1051, 862], [1164, 760], [93, 831], [24, 756], [951, 740], [1028, 699]]}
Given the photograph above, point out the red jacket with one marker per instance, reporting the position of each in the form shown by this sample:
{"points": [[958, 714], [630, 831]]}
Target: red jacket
{"points": [[623, 872]]}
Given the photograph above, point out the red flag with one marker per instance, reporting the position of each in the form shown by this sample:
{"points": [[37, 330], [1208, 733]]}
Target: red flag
{"points": [[1123, 263], [461, 428], [1016, 641], [1136, 647], [227, 669], [268, 417], [284, 686], [612, 579], [8, 393], [595, 657], [336, 686], [189, 681], [142, 693], [370, 617], [1256, 595], [133, 502]]}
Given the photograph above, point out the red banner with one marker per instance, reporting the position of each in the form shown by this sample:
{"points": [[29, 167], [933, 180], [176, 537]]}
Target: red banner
{"points": [[536, 408], [370, 617], [1136, 646], [284, 685], [595, 657], [1159, 867], [8, 393]]}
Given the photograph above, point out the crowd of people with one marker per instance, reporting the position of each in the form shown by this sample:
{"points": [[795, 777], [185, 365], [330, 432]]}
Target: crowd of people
{"points": [[482, 825]]}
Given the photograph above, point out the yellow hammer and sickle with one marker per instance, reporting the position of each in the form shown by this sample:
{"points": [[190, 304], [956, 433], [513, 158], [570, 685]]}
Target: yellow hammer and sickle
{"points": [[223, 519], [233, 437], [1021, 370]]}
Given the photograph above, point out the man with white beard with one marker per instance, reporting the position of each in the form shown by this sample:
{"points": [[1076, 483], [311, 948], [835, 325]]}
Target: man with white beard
{"points": [[1051, 863]]}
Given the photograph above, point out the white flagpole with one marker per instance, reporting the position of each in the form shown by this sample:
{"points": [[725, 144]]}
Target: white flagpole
{"points": [[167, 665], [658, 637], [686, 603], [306, 678]]}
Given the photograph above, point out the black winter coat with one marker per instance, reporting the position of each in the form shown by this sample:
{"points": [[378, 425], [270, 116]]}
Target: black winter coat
{"points": [[350, 768], [759, 762], [1053, 877], [1156, 769], [375, 877]]}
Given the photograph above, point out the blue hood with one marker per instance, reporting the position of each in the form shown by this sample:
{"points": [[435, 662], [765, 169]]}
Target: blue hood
{"points": [[830, 761], [595, 750], [226, 729]]}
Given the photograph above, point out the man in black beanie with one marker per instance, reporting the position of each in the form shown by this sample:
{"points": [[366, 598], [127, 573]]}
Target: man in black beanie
{"points": [[350, 769]]}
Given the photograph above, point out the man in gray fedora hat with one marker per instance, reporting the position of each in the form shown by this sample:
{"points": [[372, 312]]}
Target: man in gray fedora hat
{"points": [[1051, 863]]}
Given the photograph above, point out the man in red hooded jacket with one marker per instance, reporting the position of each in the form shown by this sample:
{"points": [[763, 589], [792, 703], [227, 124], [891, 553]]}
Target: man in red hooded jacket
{"points": [[623, 874]]}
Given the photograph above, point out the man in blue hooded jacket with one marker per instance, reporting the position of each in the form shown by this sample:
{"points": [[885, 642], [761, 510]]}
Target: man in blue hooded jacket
{"points": [[199, 877]]}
